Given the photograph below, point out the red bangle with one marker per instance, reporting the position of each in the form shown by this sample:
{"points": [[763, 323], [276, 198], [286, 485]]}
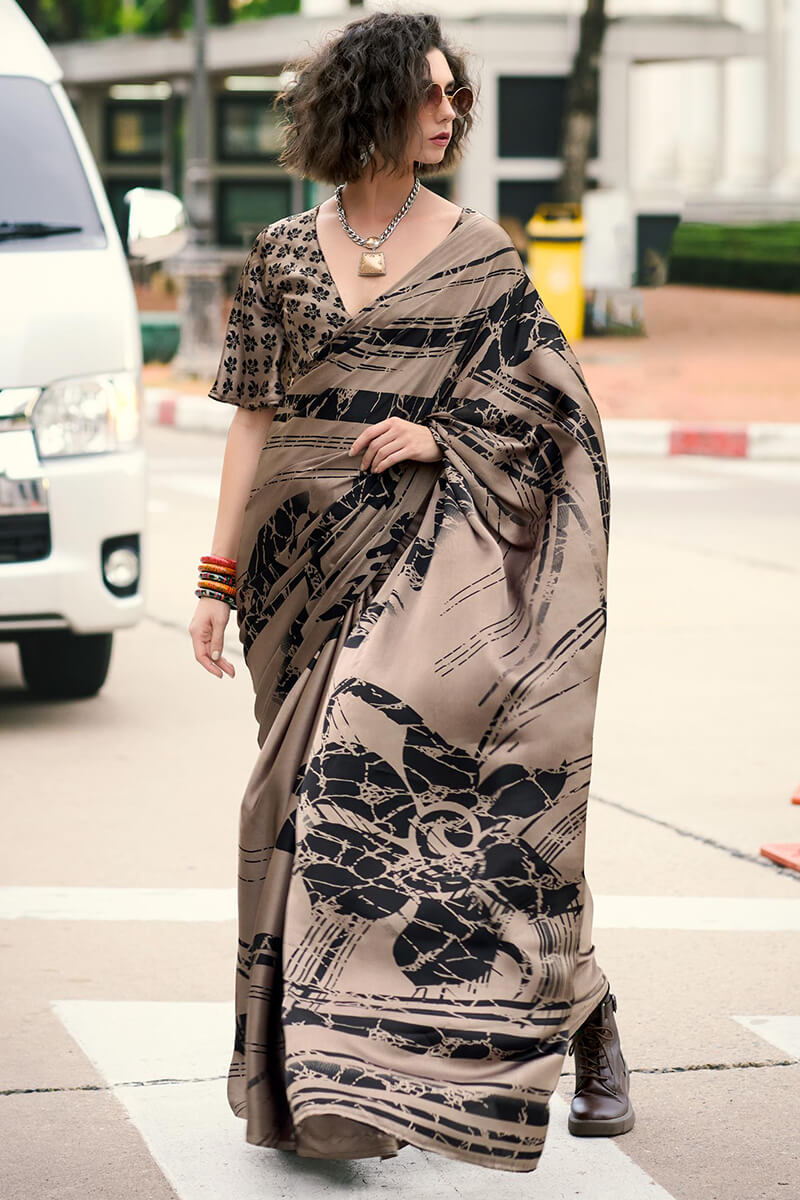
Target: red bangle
{"points": [[218, 559]]}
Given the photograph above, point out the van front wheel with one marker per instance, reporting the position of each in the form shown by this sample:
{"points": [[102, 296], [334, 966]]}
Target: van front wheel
{"points": [[60, 664]]}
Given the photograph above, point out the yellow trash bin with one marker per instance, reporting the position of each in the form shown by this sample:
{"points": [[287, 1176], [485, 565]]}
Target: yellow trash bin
{"points": [[555, 252]]}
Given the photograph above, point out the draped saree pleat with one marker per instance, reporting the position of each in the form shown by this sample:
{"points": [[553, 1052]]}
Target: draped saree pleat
{"points": [[425, 646]]}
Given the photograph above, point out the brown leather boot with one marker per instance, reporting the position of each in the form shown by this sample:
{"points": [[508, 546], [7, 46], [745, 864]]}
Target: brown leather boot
{"points": [[601, 1105]]}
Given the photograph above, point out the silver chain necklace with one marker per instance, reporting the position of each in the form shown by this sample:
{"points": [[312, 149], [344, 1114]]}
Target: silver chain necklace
{"points": [[372, 261]]}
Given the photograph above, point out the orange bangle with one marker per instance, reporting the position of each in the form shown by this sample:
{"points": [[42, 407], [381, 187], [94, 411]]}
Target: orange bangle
{"points": [[228, 589], [218, 567]]}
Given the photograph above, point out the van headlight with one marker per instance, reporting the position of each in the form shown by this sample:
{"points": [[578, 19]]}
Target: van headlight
{"points": [[88, 415]]}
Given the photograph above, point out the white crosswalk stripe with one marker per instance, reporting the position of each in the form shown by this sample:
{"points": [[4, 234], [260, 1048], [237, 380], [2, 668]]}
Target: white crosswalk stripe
{"points": [[733, 913], [782, 1031], [199, 1144], [117, 904]]}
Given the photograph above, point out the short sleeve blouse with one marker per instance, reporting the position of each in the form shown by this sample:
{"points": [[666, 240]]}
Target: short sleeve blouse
{"points": [[285, 306], [249, 372]]}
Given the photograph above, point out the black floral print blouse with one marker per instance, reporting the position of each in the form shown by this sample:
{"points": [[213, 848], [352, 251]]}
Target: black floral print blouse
{"points": [[285, 305]]}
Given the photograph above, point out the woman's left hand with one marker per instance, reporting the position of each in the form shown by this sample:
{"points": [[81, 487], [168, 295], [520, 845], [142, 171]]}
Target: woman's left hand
{"points": [[388, 442]]}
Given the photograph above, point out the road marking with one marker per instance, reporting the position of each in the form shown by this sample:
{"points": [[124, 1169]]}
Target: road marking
{"points": [[741, 914], [770, 914], [199, 1144], [747, 469], [692, 473], [782, 1031], [117, 904], [654, 479]]}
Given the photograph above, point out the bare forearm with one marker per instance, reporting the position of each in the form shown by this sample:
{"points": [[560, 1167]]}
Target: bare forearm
{"points": [[246, 436]]}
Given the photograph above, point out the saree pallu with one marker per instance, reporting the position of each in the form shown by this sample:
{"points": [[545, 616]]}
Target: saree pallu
{"points": [[425, 645]]}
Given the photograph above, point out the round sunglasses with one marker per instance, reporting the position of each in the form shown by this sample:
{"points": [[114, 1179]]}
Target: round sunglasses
{"points": [[461, 99]]}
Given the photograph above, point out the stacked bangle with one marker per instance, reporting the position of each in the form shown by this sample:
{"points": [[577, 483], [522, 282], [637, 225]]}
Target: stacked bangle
{"points": [[217, 578]]}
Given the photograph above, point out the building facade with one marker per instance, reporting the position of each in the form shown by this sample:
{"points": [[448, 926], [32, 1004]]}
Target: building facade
{"points": [[699, 115]]}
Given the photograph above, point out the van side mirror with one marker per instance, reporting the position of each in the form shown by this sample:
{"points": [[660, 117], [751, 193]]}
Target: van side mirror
{"points": [[158, 225]]}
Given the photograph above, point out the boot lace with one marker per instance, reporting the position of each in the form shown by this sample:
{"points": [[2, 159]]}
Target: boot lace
{"points": [[594, 1062]]}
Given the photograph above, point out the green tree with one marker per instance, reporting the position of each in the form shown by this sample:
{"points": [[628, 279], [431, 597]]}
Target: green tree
{"points": [[77, 20]]}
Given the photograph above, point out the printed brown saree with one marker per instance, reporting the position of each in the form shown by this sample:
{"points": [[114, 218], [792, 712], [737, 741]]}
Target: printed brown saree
{"points": [[425, 645]]}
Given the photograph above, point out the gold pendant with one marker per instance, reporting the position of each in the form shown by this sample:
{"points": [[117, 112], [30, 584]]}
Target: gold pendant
{"points": [[372, 262]]}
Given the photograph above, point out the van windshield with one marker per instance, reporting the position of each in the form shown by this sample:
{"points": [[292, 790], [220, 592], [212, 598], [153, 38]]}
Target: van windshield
{"points": [[45, 199]]}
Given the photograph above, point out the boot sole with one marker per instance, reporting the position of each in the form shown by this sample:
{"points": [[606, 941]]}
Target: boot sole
{"points": [[608, 1128]]}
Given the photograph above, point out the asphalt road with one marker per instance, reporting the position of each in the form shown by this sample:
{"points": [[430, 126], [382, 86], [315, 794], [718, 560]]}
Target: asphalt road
{"points": [[119, 862]]}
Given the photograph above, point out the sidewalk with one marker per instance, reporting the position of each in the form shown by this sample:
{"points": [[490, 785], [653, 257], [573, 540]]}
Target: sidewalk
{"points": [[718, 373]]}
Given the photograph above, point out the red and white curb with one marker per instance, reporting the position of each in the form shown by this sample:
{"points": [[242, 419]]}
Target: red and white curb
{"points": [[201, 414], [624, 436], [752, 439]]}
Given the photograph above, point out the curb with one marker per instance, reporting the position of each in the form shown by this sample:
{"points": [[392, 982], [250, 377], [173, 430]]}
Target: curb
{"points": [[623, 436]]}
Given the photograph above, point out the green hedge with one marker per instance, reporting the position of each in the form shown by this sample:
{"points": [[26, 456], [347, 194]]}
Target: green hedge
{"points": [[763, 257]]}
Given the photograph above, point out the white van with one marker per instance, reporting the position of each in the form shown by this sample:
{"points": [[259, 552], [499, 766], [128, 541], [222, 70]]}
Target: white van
{"points": [[73, 471]]}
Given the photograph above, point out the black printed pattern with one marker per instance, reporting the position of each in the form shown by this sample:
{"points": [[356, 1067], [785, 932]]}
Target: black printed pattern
{"points": [[425, 646], [285, 305], [437, 841]]}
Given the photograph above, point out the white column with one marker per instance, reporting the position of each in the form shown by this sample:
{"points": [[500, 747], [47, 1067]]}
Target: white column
{"points": [[784, 41], [775, 132], [697, 102], [657, 125], [721, 114], [744, 152]]}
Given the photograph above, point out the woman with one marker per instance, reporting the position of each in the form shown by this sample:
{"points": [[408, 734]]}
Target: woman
{"points": [[413, 529]]}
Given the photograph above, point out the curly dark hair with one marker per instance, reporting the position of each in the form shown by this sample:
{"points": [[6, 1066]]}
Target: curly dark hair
{"points": [[365, 85]]}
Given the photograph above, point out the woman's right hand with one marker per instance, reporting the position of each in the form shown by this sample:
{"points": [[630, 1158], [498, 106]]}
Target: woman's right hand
{"points": [[207, 629]]}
